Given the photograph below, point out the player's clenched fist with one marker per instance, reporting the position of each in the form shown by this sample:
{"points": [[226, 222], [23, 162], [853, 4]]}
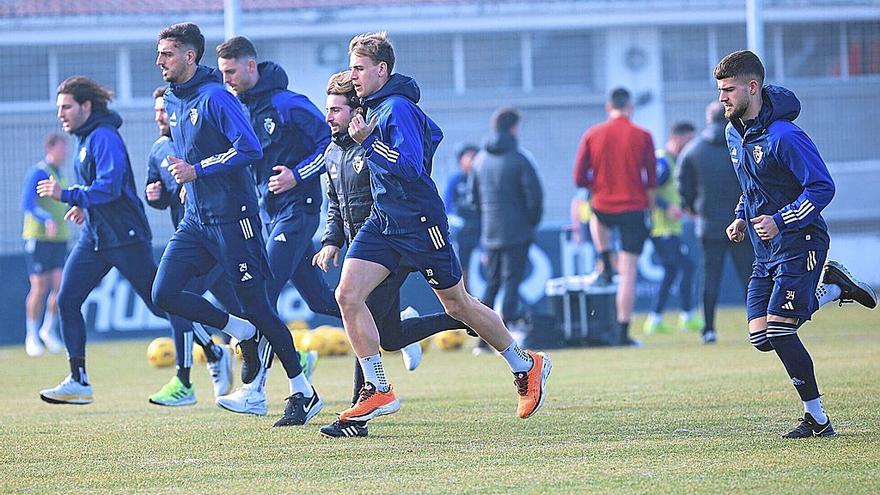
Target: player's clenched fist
{"points": [[154, 191], [181, 171], [736, 231]]}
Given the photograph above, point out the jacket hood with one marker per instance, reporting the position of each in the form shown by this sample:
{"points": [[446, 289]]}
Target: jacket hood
{"points": [[109, 117], [779, 104], [715, 133], [204, 74], [500, 143], [272, 78], [397, 84]]}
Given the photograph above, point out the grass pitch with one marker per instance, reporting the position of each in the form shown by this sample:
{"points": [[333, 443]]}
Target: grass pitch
{"points": [[672, 417]]}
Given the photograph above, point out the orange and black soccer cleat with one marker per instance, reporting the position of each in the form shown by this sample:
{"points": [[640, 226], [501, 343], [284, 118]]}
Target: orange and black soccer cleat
{"points": [[371, 403], [530, 384]]}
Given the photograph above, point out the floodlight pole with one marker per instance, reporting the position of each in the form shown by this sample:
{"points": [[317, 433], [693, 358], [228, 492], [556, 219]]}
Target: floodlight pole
{"points": [[755, 26], [231, 18]]}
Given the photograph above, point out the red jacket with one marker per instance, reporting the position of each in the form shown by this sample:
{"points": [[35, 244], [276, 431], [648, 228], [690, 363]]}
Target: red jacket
{"points": [[615, 161]]}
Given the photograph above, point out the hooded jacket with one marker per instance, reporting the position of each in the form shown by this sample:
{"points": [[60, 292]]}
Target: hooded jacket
{"points": [[399, 154], [105, 185], [348, 191], [781, 174], [293, 133], [507, 192], [707, 182], [157, 170], [210, 131]]}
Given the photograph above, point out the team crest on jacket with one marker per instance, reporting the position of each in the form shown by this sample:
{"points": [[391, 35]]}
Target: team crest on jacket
{"points": [[82, 154], [269, 125], [758, 153], [358, 163], [193, 115]]}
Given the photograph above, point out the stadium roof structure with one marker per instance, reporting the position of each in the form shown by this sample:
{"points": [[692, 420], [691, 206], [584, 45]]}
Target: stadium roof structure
{"points": [[46, 8]]}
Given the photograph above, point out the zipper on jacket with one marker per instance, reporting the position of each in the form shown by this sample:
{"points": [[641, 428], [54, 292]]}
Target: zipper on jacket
{"points": [[343, 191]]}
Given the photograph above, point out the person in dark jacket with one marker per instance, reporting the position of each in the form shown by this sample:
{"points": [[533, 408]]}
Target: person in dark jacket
{"points": [[464, 219], [350, 202], [293, 136], [785, 186], [214, 143], [115, 233], [507, 193], [408, 222], [162, 192], [709, 190]]}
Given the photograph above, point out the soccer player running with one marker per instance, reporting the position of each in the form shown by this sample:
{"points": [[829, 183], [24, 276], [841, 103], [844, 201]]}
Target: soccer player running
{"points": [[115, 234], [785, 185], [293, 136], [45, 235], [162, 192], [214, 143], [408, 222], [350, 204]]}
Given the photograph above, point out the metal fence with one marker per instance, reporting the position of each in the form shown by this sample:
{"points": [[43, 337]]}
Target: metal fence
{"points": [[558, 78]]}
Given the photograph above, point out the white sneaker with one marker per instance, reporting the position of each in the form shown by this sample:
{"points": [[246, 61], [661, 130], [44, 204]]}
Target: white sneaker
{"points": [[221, 372], [69, 391], [33, 347], [51, 340], [249, 399], [412, 356]]}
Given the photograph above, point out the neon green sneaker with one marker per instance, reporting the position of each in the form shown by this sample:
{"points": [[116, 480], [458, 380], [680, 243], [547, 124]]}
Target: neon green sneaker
{"points": [[652, 327], [693, 324], [308, 361], [174, 393]]}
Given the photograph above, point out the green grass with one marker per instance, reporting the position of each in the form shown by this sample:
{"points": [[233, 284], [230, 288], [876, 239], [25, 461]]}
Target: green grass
{"points": [[672, 417]]}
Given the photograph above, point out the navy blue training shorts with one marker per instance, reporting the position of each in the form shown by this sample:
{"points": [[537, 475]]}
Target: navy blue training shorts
{"points": [[44, 256], [428, 250], [787, 288]]}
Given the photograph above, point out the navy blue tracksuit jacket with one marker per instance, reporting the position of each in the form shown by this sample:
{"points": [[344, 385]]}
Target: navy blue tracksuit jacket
{"points": [[781, 174]]}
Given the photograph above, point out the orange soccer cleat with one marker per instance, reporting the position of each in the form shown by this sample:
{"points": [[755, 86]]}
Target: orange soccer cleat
{"points": [[371, 403], [530, 385]]}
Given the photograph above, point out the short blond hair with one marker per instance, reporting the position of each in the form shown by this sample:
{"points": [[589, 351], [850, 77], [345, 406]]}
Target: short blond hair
{"points": [[373, 45], [340, 84]]}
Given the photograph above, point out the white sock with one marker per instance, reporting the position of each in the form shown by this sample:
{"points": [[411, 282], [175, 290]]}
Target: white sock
{"points": [[374, 372], [48, 323], [300, 385], [654, 318], [31, 328], [814, 407], [239, 328], [827, 293], [517, 358]]}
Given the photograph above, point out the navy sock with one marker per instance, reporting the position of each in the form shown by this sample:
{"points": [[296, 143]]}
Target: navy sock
{"points": [[795, 358], [607, 267], [78, 370], [624, 331], [183, 376]]}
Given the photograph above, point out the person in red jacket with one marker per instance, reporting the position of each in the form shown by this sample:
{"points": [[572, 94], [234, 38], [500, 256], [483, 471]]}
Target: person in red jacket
{"points": [[615, 161]]}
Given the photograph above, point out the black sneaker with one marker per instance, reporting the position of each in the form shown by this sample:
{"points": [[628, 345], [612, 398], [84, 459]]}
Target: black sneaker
{"points": [[250, 360], [340, 429], [851, 289], [300, 410], [809, 427]]}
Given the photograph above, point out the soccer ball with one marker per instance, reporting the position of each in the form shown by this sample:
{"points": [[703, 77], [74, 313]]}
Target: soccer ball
{"points": [[339, 345], [316, 341], [298, 336], [449, 340], [199, 355], [426, 344], [297, 325], [160, 352]]}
